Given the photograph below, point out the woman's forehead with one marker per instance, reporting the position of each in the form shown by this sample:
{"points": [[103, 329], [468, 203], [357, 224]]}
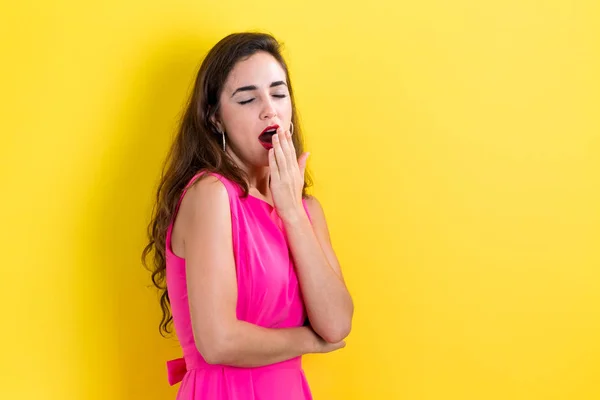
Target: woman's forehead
{"points": [[260, 70]]}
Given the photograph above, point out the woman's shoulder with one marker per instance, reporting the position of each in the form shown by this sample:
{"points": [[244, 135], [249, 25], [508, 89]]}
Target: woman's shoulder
{"points": [[313, 204], [204, 207], [205, 187], [210, 191], [205, 199], [204, 181]]}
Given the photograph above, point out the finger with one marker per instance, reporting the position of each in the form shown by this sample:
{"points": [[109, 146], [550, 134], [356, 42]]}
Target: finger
{"points": [[292, 158], [273, 166], [285, 147], [279, 154]]}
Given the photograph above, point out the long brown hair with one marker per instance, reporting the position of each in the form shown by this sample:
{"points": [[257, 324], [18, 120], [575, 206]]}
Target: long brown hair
{"points": [[197, 147]]}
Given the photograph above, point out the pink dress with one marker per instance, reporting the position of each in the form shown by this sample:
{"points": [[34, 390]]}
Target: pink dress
{"points": [[268, 295]]}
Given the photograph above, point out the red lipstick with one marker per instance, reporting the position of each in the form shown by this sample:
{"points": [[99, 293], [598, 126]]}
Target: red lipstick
{"points": [[266, 136]]}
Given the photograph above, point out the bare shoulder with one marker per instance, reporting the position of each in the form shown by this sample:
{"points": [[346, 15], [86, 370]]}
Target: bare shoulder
{"points": [[317, 215], [204, 206], [314, 206], [206, 191]]}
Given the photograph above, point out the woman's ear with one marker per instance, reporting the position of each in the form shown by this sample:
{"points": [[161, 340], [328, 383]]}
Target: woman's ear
{"points": [[216, 123]]}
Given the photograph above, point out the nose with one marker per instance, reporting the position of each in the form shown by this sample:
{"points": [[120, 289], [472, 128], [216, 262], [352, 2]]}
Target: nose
{"points": [[268, 111]]}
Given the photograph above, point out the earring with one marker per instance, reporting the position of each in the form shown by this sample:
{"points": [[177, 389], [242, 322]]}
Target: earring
{"points": [[291, 128], [222, 137]]}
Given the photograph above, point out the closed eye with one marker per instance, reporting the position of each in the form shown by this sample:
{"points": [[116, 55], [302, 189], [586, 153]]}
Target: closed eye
{"points": [[279, 96]]}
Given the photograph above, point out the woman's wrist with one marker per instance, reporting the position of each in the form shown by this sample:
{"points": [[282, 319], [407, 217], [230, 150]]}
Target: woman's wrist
{"points": [[293, 215]]}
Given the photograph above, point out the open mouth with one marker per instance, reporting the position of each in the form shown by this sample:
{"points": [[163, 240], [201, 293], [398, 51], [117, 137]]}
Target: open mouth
{"points": [[266, 137]]}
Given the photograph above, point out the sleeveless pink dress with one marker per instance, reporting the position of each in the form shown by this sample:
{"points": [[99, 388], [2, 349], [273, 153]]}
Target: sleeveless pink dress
{"points": [[268, 295]]}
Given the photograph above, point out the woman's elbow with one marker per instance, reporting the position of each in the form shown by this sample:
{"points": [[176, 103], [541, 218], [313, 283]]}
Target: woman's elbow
{"points": [[336, 332], [215, 350], [215, 353]]}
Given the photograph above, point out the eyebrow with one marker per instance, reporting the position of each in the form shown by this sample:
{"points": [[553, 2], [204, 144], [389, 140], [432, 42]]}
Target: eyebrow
{"points": [[254, 87]]}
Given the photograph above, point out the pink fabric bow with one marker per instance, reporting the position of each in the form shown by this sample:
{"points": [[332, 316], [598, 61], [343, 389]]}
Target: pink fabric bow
{"points": [[176, 370]]}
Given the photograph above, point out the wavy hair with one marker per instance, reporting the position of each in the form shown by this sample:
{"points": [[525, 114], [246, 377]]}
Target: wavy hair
{"points": [[196, 147]]}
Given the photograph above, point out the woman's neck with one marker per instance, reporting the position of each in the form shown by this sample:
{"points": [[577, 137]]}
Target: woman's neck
{"points": [[258, 177]]}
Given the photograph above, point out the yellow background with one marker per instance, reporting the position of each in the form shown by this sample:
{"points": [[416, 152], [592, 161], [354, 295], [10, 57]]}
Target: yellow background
{"points": [[455, 147]]}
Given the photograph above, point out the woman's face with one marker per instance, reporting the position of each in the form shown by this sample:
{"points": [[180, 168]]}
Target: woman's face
{"points": [[254, 98]]}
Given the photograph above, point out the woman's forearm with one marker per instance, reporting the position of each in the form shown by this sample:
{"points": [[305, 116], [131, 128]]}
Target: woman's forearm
{"points": [[248, 345], [328, 302]]}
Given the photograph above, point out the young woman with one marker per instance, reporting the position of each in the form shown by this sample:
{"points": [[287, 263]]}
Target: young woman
{"points": [[242, 254]]}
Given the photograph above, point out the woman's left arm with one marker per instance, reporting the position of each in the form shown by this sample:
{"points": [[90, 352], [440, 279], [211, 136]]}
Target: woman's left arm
{"points": [[328, 302]]}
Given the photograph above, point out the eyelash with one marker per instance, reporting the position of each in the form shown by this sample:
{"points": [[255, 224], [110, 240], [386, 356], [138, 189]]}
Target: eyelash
{"points": [[279, 96]]}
